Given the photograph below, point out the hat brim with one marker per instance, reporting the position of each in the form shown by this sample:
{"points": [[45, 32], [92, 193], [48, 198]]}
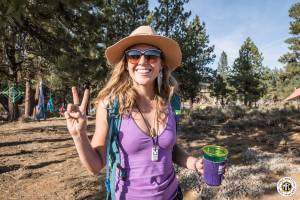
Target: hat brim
{"points": [[170, 48]]}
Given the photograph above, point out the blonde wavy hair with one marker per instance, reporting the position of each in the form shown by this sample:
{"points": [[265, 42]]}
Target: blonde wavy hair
{"points": [[120, 85]]}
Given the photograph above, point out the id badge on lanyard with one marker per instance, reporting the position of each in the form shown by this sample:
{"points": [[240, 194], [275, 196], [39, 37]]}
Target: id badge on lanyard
{"points": [[154, 155]]}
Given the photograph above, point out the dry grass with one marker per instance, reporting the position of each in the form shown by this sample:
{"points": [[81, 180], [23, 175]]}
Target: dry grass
{"points": [[39, 160], [255, 177], [264, 145]]}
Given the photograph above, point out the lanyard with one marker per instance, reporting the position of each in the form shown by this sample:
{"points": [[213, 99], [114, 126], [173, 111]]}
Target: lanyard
{"points": [[152, 131]]}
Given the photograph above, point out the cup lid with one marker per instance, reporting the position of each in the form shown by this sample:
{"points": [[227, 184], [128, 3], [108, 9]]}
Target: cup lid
{"points": [[215, 151]]}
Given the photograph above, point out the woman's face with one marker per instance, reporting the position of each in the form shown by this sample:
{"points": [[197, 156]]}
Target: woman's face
{"points": [[145, 68]]}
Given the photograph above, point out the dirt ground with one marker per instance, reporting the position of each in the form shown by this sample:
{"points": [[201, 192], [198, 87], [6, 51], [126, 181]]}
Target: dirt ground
{"points": [[38, 160]]}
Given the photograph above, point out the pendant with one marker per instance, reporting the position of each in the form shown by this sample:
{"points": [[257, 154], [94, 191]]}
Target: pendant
{"points": [[152, 132], [154, 156]]}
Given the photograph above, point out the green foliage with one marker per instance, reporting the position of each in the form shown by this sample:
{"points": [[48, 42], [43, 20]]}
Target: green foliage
{"points": [[169, 17], [52, 32], [223, 67], [68, 38], [194, 74], [272, 81], [294, 13], [63, 42], [221, 87], [248, 74], [122, 17], [290, 77]]}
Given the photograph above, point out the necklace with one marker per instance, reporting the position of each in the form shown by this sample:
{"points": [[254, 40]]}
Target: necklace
{"points": [[151, 130], [153, 133]]}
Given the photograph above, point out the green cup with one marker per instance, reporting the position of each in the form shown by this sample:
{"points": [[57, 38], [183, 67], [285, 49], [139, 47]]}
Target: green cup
{"points": [[215, 153]]}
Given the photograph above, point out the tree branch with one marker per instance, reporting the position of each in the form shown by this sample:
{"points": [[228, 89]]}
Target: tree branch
{"points": [[5, 73], [2, 65]]}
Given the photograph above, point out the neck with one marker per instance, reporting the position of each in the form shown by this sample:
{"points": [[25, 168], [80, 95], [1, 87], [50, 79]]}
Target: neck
{"points": [[145, 94]]}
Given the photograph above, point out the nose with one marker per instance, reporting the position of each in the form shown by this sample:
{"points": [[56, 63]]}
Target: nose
{"points": [[142, 60]]}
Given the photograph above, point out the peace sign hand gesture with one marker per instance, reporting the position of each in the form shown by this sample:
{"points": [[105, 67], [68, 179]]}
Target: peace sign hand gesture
{"points": [[76, 114]]}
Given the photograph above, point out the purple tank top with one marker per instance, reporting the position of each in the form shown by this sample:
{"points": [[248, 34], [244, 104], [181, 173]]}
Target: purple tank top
{"points": [[146, 179]]}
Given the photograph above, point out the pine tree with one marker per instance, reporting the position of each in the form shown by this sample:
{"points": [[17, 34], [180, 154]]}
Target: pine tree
{"points": [[169, 17], [223, 67], [272, 82], [61, 34], [221, 86], [120, 18], [194, 73], [247, 73], [291, 75], [123, 16]]}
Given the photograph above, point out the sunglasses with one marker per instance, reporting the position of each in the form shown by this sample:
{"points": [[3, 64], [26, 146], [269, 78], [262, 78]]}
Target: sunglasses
{"points": [[134, 55]]}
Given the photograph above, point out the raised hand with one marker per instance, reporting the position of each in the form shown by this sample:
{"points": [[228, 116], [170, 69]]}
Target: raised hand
{"points": [[76, 114]]}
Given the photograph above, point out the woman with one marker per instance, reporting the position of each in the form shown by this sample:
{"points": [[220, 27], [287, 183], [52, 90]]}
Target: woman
{"points": [[141, 81]]}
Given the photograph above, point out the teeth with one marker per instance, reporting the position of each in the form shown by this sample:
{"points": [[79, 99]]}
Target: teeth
{"points": [[143, 70]]}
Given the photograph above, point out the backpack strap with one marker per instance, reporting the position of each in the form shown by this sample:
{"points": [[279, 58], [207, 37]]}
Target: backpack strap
{"points": [[112, 145], [112, 150], [176, 107]]}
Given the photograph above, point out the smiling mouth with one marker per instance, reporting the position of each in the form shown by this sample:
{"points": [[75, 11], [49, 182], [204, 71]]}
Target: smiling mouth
{"points": [[143, 71]]}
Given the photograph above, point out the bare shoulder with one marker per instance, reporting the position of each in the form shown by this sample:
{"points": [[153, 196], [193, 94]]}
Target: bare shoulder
{"points": [[101, 124], [103, 103]]}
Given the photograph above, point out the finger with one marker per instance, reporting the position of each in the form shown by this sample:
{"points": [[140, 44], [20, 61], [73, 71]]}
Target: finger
{"points": [[67, 116], [69, 107], [201, 161], [75, 115], [85, 100], [72, 108], [72, 115], [199, 166], [200, 171], [75, 96]]}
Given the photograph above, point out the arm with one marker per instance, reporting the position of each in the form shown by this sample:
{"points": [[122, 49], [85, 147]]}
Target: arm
{"points": [[181, 158], [92, 154]]}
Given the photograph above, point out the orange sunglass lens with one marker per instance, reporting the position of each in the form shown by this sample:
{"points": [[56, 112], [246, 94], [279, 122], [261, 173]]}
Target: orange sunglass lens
{"points": [[134, 56], [133, 59]]}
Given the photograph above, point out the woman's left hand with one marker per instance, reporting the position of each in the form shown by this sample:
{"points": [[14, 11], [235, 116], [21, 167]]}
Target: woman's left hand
{"points": [[198, 165]]}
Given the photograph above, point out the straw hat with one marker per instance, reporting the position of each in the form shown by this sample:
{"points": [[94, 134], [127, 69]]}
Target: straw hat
{"points": [[146, 35]]}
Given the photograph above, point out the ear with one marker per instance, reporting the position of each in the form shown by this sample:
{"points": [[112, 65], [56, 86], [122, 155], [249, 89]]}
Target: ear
{"points": [[162, 66]]}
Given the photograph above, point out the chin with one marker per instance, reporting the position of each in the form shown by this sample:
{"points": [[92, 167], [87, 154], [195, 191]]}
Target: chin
{"points": [[143, 81]]}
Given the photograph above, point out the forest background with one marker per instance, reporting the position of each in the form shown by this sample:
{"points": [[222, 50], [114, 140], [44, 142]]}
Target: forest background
{"points": [[62, 44]]}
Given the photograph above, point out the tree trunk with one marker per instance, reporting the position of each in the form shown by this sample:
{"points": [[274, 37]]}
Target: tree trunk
{"points": [[36, 99], [4, 102], [222, 102], [27, 99], [32, 101], [13, 111], [191, 102]]}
